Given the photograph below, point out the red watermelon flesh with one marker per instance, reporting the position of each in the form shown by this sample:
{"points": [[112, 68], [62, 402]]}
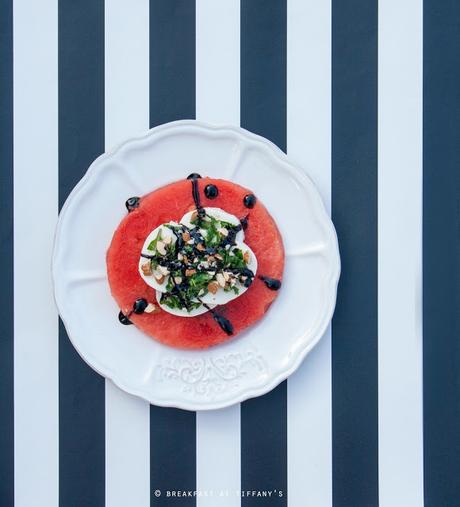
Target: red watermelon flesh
{"points": [[171, 202]]}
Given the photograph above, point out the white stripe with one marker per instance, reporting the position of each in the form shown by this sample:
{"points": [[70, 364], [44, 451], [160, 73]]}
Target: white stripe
{"points": [[35, 213], [309, 144], [126, 114], [218, 101], [399, 253]]}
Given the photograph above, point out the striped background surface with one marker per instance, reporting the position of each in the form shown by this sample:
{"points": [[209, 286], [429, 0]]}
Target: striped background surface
{"points": [[364, 95]]}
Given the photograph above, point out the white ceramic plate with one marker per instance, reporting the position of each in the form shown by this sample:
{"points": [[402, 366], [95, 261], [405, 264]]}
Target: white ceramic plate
{"points": [[257, 359]]}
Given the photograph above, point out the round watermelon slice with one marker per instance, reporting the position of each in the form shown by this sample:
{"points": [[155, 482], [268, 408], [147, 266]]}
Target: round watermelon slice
{"points": [[171, 202]]}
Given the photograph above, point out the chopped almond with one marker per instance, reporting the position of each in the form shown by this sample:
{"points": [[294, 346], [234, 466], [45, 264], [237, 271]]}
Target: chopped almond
{"points": [[159, 278], [220, 279], [190, 272], [147, 268], [218, 256], [211, 258], [178, 279], [150, 308], [161, 248], [186, 236], [200, 247], [213, 287], [185, 259], [246, 257], [163, 270]]}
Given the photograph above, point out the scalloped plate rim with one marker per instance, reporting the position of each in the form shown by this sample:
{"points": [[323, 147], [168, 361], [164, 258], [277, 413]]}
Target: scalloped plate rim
{"points": [[248, 393]]}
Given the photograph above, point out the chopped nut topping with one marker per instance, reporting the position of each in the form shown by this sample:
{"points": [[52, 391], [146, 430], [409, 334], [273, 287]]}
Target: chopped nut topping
{"points": [[205, 258], [147, 268], [150, 308], [161, 248], [220, 279], [213, 287], [159, 278], [163, 270]]}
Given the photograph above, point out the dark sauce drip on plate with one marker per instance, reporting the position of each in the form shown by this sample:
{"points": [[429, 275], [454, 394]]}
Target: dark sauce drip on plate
{"points": [[124, 319], [193, 176], [132, 203]]}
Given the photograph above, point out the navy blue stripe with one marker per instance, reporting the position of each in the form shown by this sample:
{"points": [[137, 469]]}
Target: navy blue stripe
{"points": [[263, 68], [172, 60], [6, 255], [172, 97], [441, 252], [354, 212], [81, 139], [263, 110]]}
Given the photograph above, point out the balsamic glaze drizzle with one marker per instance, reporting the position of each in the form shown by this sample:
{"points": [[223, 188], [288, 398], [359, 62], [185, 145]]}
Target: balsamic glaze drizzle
{"points": [[249, 201], [196, 194], [211, 191], [132, 203], [193, 176], [244, 222], [271, 283], [140, 305], [224, 323], [124, 319]]}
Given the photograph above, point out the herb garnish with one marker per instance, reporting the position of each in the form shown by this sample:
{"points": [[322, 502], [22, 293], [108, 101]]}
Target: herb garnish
{"points": [[198, 259]]}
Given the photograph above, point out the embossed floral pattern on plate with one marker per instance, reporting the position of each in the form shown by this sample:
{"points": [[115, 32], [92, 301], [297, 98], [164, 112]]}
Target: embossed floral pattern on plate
{"points": [[211, 376]]}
